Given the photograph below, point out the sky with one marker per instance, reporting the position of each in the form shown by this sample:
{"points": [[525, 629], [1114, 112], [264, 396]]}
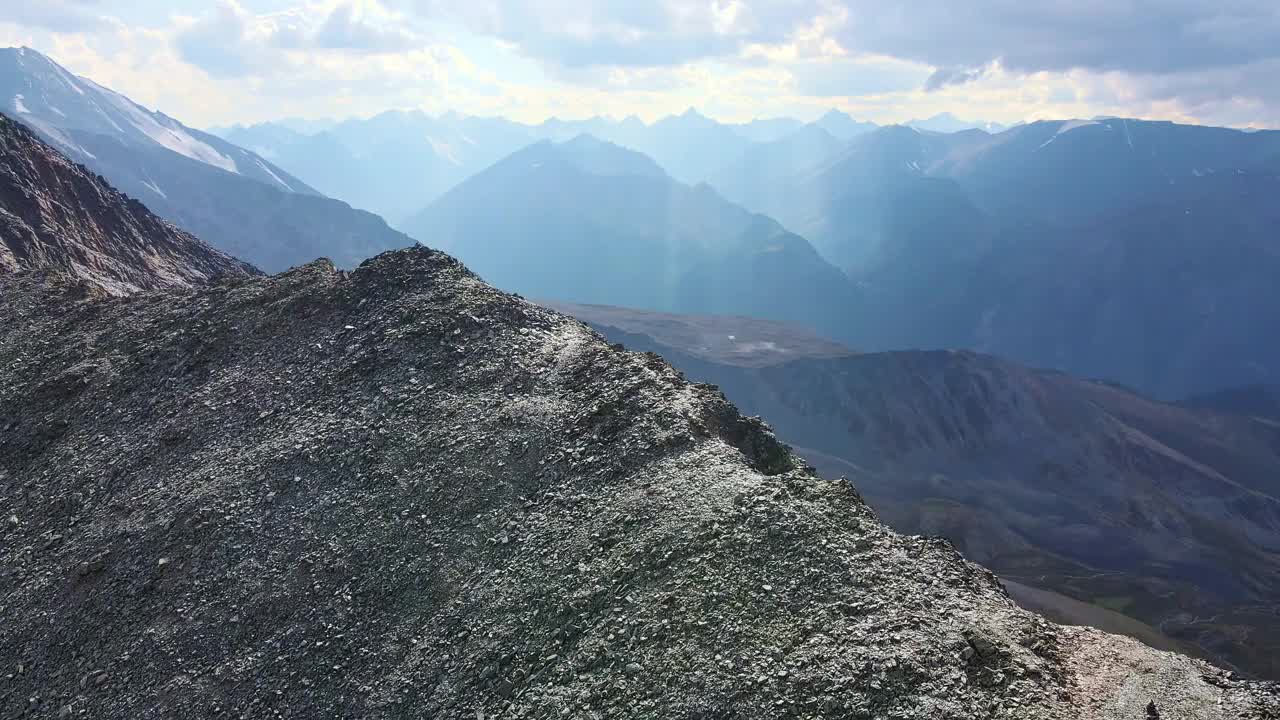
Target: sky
{"points": [[218, 62]]}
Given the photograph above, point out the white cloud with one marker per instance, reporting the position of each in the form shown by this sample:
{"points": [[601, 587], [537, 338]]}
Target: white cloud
{"points": [[232, 41], [887, 61]]}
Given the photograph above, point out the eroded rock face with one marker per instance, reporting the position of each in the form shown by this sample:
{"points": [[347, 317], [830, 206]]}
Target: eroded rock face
{"points": [[56, 216], [401, 493]]}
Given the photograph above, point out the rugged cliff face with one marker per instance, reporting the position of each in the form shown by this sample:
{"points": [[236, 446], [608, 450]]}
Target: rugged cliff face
{"points": [[401, 493], [57, 216]]}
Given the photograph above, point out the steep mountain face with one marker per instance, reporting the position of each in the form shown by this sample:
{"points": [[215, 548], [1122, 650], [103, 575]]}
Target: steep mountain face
{"points": [[1168, 514], [231, 198], [587, 221], [1060, 172], [400, 493], [57, 217], [65, 107], [1171, 296]]}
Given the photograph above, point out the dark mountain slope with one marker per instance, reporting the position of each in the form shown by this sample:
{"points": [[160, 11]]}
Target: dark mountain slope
{"points": [[1143, 253], [55, 216], [1168, 514], [587, 221], [401, 493], [1057, 172], [227, 196], [1173, 296], [1256, 400]]}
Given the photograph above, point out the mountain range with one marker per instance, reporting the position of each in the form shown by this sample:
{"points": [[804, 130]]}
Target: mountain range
{"points": [[1134, 251], [397, 492], [1169, 514], [958, 238], [232, 198], [392, 164]]}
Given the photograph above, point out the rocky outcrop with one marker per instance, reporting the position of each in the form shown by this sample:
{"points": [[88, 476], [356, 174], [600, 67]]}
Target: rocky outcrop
{"points": [[401, 493], [56, 216]]}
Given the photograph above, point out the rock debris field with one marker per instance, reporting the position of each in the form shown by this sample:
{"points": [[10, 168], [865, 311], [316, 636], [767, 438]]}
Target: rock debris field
{"points": [[400, 493]]}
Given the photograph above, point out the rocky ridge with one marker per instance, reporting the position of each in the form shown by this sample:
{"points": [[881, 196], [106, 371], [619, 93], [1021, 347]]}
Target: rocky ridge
{"points": [[56, 216], [398, 492], [1169, 513]]}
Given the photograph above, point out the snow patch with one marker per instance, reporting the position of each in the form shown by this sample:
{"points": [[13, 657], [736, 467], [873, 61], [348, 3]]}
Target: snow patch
{"points": [[57, 111], [1070, 125], [1067, 127], [162, 130], [18, 105], [154, 188], [444, 150], [71, 81], [274, 176]]}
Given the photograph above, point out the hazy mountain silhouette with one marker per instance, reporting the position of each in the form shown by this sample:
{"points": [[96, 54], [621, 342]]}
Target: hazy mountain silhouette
{"points": [[588, 221]]}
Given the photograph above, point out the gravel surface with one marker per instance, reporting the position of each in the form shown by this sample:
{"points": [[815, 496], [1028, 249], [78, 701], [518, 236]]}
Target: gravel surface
{"points": [[400, 493]]}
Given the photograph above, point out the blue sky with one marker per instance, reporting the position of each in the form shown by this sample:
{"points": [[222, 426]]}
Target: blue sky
{"points": [[224, 61]]}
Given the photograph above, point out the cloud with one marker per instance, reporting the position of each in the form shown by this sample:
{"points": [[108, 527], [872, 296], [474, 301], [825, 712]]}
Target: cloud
{"points": [[1186, 54], [942, 77], [590, 33], [366, 27], [1142, 36], [61, 15], [885, 60], [232, 41]]}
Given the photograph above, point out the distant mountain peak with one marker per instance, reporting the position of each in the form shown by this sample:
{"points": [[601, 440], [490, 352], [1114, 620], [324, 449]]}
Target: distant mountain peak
{"points": [[947, 122], [842, 125]]}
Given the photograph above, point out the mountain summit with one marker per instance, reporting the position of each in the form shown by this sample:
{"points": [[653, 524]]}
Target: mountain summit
{"points": [[398, 492]]}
